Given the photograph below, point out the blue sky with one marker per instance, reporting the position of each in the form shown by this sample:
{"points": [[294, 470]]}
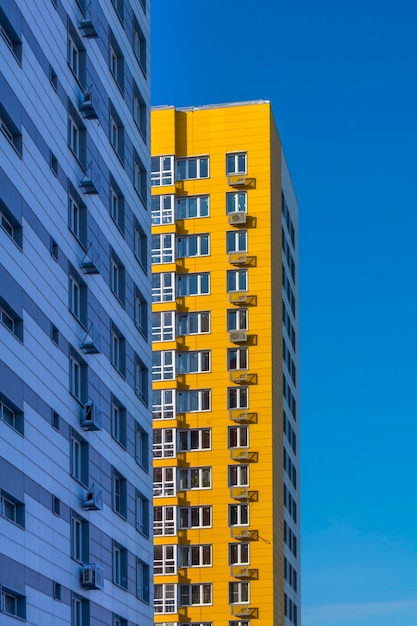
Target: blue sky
{"points": [[342, 79]]}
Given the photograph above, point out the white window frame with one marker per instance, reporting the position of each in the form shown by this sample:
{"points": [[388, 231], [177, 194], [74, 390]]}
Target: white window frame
{"points": [[164, 483], [166, 408], [195, 400], [167, 525], [237, 280], [13, 603], [164, 175], [8, 415], [203, 513], [142, 514], [194, 323], [193, 284], [163, 326], [237, 398], [238, 475], [74, 137], [198, 594], [239, 553], [74, 217], [7, 320], [74, 57], [167, 602], [166, 563], [164, 443], [163, 365], [238, 437], [75, 297], [240, 512], [76, 378], [237, 319], [163, 287], [189, 246], [141, 447], [193, 361], [186, 164], [236, 163], [237, 359], [163, 248], [162, 211], [141, 312], [236, 202], [116, 350], [194, 478], [239, 593], [113, 63], [195, 555], [237, 241], [114, 134], [193, 207], [193, 439]]}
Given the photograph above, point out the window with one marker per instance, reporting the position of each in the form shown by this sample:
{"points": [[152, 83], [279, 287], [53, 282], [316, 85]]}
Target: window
{"points": [[193, 361], [79, 538], [79, 458], [195, 517], [163, 326], [243, 622], [116, 133], [164, 443], [10, 320], [164, 482], [237, 280], [11, 131], [80, 611], [162, 172], [238, 514], [11, 415], [118, 6], [53, 163], [188, 169], [139, 44], [162, 210], [142, 581], [118, 414], [118, 350], [192, 207], [142, 447], [141, 246], [141, 381], [56, 506], [13, 603], [163, 287], [237, 319], [236, 163], [77, 218], [237, 398], [117, 205], [119, 494], [54, 249], [195, 478], [78, 378], [77, 297], [237, 359], [238, 475], [194, 284], [116, 62], [140, 178], [194, 439], [12, 509], [164, 521], [239, 553], [237, 241], [140, 112], [117, 278], [119, 565], [57, 591], [163, 248], [238, 436], [238, 593], [163, 404], [76, 55], [142, 514], [10, 225], [193, 245], [195, 595], [163, 365], [195, 556], [119, 621], [165, 598], [10, 37], [165, 560], [236, 201], [194, 400], [77, 137], [141, 313], [194, 323]]}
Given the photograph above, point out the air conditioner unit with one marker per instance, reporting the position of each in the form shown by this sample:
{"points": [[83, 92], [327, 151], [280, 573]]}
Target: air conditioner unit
{"points": [[237, 179], [87, 28], [237, 258], [92, 576], [87, 106], [93, 500], [238, 217], [91, 417], [237, 297], [238, 376], [237, 336]]}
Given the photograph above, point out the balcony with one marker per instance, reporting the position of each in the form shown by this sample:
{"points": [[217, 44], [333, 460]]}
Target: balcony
{"points": [[237, 415], [243, 610], [243, 533], [243, 455], [243, 494], [244, 572]]}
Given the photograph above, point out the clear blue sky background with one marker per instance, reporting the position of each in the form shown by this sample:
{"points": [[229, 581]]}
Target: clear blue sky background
{"points": [[342, 78]]}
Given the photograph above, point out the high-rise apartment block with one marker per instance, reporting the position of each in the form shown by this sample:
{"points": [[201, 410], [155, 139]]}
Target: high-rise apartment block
{"points": [[225, 369], [75, 297]]}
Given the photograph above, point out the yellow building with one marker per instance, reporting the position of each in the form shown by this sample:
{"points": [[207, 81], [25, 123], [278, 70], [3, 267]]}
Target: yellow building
{"points": [[225, 369]]}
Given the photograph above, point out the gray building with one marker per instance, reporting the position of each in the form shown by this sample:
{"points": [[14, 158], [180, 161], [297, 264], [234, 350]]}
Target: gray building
{"points": [[75, 425]]}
